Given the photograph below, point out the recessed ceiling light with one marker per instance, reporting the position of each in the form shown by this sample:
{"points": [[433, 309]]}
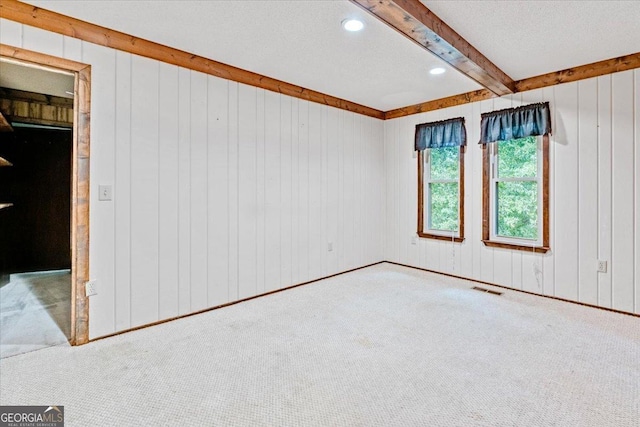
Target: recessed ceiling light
{"points": [[437, 70], [352, 25]]}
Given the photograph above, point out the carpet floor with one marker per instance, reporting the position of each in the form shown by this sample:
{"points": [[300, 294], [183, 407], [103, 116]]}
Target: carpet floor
{"points": [[381, 346]]}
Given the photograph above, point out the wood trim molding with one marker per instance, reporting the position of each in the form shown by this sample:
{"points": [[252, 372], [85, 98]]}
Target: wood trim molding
{"points": [[416, 22], [80, 182], [51, 21], [421, 233], [536, 249], [58, 23], [159, 322], [486, 182], [596, 69], [437, 104], [486, 214]]}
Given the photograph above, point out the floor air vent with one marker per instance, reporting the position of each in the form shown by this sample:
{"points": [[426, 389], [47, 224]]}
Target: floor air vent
{"points": [[489, 291]]}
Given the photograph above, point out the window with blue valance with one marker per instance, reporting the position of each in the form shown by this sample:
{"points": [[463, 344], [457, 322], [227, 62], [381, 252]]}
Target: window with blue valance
{"points": [[445, 133], [513, 123]]}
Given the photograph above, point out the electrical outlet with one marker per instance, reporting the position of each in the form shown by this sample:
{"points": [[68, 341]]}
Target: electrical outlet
{"points": [[91, 288], [330, 246], [602, 266]]}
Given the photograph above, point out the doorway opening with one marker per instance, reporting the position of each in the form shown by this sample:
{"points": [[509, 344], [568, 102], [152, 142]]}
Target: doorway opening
{"points": [[44, 201]]}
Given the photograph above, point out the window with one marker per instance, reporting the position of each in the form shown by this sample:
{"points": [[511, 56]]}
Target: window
{"points": [[441, 147], [516, 194], [441, 193]]}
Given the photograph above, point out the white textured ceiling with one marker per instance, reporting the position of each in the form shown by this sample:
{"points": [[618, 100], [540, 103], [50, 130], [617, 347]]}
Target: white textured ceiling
{"points": [[302, 42], [527, 38], [36, 79]]}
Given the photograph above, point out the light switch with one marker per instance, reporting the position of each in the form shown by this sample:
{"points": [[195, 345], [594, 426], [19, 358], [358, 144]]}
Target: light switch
{"points": [[104, 192]]}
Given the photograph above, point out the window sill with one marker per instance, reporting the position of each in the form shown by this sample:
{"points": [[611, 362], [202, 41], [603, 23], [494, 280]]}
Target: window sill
{"points": [[440, 237], [536, 249]]}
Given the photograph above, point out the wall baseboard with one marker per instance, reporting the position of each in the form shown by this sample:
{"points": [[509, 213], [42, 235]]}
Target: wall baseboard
{"points": [[230, 303], [514, 289], [349, 271]]}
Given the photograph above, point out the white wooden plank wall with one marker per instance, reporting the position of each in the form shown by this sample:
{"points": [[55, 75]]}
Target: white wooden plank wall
{"points": [[594, 205], [221, 191]]}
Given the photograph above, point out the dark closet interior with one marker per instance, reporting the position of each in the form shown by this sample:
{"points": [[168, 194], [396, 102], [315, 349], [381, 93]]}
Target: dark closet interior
{"points": [[35, 230]]}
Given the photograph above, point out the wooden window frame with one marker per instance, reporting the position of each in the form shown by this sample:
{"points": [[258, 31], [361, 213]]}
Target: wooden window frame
{"points": [[486, 203], [460, 237]]}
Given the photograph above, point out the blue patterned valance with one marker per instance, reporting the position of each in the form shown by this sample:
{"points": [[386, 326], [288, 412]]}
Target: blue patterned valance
{"points": [[445, 133], [520, 122]]}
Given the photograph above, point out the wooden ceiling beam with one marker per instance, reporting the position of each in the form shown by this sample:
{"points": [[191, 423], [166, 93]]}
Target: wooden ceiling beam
{"points": [[588, 71], [415, 21]]}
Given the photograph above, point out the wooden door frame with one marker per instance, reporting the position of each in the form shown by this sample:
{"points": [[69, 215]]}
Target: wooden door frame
{"points": [[79, 180]]}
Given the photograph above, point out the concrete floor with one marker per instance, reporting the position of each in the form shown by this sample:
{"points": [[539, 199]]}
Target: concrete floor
{"points": [[35, 312]]}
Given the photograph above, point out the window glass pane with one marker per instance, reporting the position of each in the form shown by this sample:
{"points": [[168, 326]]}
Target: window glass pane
{"points": [[518, 158], [518, 209], [444, 206], [444, 162]]}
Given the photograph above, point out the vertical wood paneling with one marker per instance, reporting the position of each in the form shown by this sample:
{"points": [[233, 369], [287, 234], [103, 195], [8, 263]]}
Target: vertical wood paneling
{"points": [[102, 173], [391, 175], [315, 208], [11, 33], [604, 188], [144, 191], [233, 204], [348, 176], [324, 186], [218, 190], [72, 49], [247, 209], [474, 165], [184, 188], [43, 41], [302, 232], [636, 229], [122, 193], [548, 259], [221, 191], [273, 191], [470, 223], [286, 206], [295, 190], [260, 190], [333, 193], [411, 168], [594, 165], [622, 257], [199, 192], [168, 201], [565, 140], [588, 190]]}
